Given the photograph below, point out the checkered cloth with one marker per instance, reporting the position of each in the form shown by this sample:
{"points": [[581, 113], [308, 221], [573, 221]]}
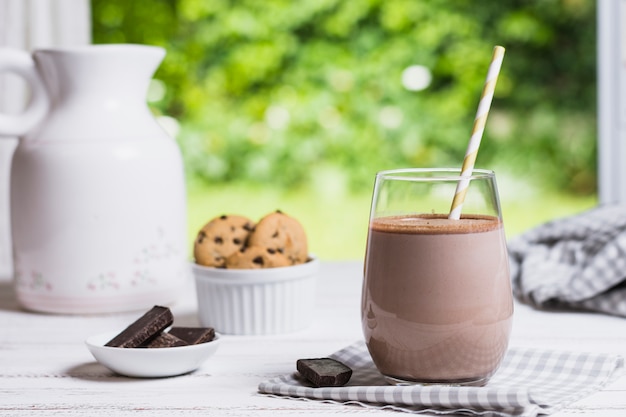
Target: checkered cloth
{"points": [[529, 382], [576, 262]]}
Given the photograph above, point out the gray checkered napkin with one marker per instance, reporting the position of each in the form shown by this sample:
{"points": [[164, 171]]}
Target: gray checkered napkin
{"points": [[529, 382], [575, 262]]}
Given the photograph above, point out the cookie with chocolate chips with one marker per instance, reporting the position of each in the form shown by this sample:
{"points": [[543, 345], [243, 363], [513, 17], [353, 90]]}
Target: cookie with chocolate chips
{"points": [[284, 234], [220, 238], [256, 257]]}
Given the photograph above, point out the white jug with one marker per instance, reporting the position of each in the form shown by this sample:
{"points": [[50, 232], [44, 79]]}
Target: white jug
{"points": [[97, 195]]}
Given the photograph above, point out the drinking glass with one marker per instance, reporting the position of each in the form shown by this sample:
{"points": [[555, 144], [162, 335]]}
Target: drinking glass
{"points": [[436, 303]]}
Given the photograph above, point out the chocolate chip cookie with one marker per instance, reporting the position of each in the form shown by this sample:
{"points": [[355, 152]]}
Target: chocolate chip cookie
{"points": [[256, 257], [220, 238], [283, 234]]}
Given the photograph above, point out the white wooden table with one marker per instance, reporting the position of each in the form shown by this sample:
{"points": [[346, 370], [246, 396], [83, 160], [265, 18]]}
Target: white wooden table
{"points": [[46, 370]]}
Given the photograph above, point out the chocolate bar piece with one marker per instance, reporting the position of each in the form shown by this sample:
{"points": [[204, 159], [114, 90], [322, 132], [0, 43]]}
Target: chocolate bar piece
{"points": [[144, 328], [165, 340], [193, 335], [324, 372]]}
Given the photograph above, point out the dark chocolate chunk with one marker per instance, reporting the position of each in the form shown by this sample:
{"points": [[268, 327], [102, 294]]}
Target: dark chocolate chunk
{"points": [[144, 328], [324, 372], [193, 335], [165, 340]]}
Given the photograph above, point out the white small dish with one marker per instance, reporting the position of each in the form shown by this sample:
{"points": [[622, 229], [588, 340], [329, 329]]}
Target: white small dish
{"points": [[150, 363], [256, 301]]}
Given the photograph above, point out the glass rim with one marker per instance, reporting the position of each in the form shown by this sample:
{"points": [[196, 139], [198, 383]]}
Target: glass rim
{"points": [[438, 174]]}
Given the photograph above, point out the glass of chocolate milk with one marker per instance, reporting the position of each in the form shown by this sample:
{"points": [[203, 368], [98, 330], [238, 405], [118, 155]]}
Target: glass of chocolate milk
{"points": [[436, 304]]}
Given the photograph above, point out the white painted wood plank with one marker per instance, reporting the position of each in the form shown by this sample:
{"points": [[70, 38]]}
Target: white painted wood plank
{"points": [[44, 365]]}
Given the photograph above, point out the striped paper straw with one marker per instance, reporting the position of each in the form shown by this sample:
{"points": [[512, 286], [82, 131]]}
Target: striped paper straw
{"points": [[477, 132]]}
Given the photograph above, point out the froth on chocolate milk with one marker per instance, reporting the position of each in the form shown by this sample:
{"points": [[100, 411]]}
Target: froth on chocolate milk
{"points": [[437, 304]]}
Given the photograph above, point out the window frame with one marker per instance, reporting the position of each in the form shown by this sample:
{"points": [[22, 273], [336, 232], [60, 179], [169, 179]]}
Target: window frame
{"points": [[611, 58]]}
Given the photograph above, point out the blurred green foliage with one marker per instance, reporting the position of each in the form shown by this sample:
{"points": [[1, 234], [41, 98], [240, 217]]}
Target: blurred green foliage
{"points": [[311, 92]]}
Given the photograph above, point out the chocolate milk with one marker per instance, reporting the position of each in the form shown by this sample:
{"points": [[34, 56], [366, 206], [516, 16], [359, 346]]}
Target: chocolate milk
{"points": [[437, 303]]}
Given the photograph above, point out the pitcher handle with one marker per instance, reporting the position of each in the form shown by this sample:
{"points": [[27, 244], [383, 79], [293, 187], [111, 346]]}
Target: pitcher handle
{"points": [[22, 64]]}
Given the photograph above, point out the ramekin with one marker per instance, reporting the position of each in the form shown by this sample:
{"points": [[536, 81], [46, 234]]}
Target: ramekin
{"points": [[256, 301]]}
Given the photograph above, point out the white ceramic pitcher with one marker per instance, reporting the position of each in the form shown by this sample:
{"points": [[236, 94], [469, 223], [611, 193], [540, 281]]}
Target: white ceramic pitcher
{"points": [[97, 190]]}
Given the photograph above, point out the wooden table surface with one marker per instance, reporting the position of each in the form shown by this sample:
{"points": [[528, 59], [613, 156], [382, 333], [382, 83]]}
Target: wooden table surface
{"points": [[45, 368]]}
